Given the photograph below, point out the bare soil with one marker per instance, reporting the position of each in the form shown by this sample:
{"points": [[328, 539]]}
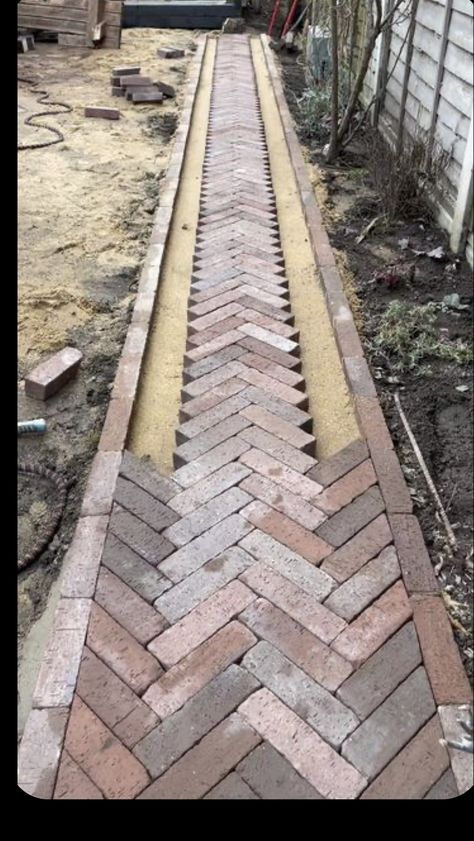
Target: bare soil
{"points": [[440, 414], [85, 213]]}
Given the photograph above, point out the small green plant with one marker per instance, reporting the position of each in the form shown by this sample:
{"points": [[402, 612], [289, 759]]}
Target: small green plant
{"points": [[314, 106], [408, 336]]}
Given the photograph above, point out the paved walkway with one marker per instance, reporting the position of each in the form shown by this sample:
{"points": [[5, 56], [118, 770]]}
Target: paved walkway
{"points": [[251, 636]]}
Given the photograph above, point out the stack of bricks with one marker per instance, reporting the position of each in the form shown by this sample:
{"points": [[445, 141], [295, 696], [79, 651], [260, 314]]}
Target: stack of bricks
{"points": [[128, 82]]}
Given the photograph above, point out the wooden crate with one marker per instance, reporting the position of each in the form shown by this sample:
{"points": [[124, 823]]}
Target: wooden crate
{"points": [[77, 22]]}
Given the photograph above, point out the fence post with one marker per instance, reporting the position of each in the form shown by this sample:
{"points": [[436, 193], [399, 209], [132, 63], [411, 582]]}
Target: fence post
{"points": [[440, 74], [463, 206], [383, 53], [406, 76]]}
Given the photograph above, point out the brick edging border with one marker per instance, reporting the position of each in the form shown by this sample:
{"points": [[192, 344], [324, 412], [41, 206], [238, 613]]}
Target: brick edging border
{"points": [[45, 727], [442, 660]]}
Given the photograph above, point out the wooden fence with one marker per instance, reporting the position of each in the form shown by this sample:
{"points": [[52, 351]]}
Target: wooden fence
{"points": [[79, 23]]}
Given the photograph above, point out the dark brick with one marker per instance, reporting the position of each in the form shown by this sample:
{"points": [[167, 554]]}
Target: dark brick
{"points": [[328, 471], [343, 525], [48, 377], [139, 536], [105, 113]]}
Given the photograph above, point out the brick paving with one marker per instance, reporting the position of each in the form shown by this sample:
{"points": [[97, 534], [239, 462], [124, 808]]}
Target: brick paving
{"points": [[252, 633]]}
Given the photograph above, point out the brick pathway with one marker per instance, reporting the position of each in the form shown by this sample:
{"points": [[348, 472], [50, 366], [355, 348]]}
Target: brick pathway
{"points": [[251, 636]]}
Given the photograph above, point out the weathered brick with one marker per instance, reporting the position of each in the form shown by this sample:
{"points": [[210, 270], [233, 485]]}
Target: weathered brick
{"points": [[143, 505], [294, 507], [415, 770], [333, 468], [113, 701], [444, 789], [279, 428], [121, 652], [192, 498], [72, 783], [136, 534], [354, 595], [311, 702], [214, 318], [267, 309], [286, 531], [60, 664], [302, 607], [313, 758], [415, 562], [133, 570], [286, 360], [352, 485], [81, 564], [392, 483], [372, 421], [287, 412], [232, 788], [205, 547], [206, 516], [276, 372], [443, 663], [304, 649], [196, 310], [192, 408], [202, 583], [128, 609], [381, 736], [272, 339], [104, 113], [373, 682], [375, 625], [343, 525], [212, 346], [273, 778], [48, 377], [100, 486], [170, 52], [40, 751], [208, 440], [346, 560], [204, 382], [283, 475], [177, 642], [180, 731], [184, 680], [277, 448], [292, 566], [113, 769], [142, 473], [206, 764], [211, 461], [126, 71], [276, 326]]}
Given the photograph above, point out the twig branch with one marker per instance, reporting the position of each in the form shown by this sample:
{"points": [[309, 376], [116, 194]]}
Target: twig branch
{"points": [[451, 536]]}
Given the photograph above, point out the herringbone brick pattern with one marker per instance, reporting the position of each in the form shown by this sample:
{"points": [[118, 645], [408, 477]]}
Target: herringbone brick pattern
{"points": [[251, 636]]}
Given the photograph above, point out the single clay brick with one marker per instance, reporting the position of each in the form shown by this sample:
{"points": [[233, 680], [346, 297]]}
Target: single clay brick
{"points": [[46, 379], [125, 71], [98, 111]]}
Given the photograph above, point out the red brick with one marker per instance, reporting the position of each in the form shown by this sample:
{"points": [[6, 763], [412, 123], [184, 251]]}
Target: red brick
{"points": [[281, 429], [313, 758], [281, 474], [295, 507], [113, 701], [373, 423], [213, 302], [374, 626], [352, 485], [121, 652], [294, 601], [128, 609], [81, 564], [196, 669], [115, 429], [392, 483], [441, 656], [304, 649], [351, 519], [274, 387], [415, 770], [346, 560], [73, 783], [206, 764], [98, 496], [208, 381], [415, 562], [113, 769], [48, 377], [286, 531], [252, 293], [40, 751], [105, 113]]}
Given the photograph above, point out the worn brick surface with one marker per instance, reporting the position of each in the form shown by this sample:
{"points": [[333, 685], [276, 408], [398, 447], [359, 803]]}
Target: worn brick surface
{"points": [[40, 750], [127, 608], [232, 788], [189, 500], [304, 649], [351, 519], [144, 506], [440, 653], [381, 736], [373, 682], [277, 448], [444, 789], [352, 485], [182, 681], [272, 777], [133, 570], [73, 784], [354, 595], [413, 555], [313, 758], [344, 562], [286, 531], [282, 475], [48, 377], [180, 731], [205, 765], [284, 410], [205, 547], [414, 771], [138, 535], [294, 507]]}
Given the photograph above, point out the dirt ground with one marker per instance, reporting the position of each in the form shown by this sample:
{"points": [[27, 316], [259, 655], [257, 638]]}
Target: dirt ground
{"points": [[438, 399], [85, 212]]}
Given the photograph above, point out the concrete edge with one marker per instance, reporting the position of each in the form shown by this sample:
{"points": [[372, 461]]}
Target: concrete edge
{"points": [[417, 571], [46, 725]]}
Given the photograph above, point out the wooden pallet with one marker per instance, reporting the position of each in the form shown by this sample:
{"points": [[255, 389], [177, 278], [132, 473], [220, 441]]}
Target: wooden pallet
{"points": [[79, 23]]}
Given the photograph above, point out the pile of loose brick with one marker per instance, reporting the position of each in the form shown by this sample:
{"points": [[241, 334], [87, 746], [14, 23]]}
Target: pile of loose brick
{"points": [[128, 82], [255, 631]]}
